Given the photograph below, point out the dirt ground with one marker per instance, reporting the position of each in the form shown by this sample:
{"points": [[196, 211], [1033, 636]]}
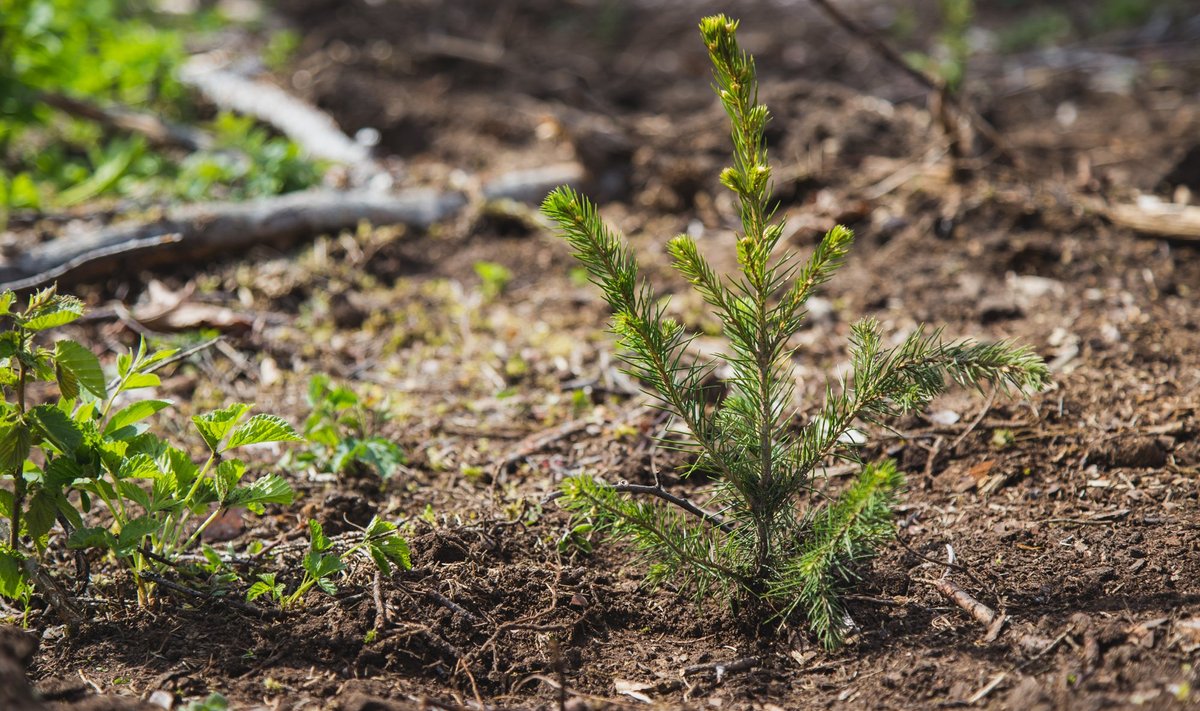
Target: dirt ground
{"points": [[1074, 513]]}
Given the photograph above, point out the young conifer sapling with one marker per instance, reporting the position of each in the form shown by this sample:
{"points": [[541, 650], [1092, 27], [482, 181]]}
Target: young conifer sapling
{"points": [[767, 531]]}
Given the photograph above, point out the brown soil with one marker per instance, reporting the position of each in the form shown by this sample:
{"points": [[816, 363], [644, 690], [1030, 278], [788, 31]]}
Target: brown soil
{"points": [[1075, 514]]}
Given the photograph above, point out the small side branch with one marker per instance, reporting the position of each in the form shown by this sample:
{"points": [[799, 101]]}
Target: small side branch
{"points": [[201, 595], [659, 492], [984, 615], [153, 128], [890, 55]]}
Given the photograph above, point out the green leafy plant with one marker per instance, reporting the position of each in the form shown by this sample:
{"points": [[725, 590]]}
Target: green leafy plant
{"points": [[91, 444], [341, 431], [493, 277], [779, 538], [948, 62], [381, 544], [116, 55], [213, 702]]}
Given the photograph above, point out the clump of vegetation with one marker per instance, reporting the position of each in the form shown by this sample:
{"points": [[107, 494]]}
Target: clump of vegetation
{"points": [[342, 431], [116, 56], [494, 278], [89, 448], [948, 62], [380, 543], [779, 538]]}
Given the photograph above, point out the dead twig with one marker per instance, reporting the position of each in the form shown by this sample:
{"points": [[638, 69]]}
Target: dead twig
{"points": [[201, 595], [1152, 216], [949, 564], [720, 669], [948, 99], [657, 491], [987, 688], [196, 231], [153, 128], [980, 612], [536, 442], [381, 615], [43, 272], [452, 605], [987, 406]]}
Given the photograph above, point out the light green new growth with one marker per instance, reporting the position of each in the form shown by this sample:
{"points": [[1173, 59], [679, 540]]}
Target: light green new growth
{"points": [[774, 540]]}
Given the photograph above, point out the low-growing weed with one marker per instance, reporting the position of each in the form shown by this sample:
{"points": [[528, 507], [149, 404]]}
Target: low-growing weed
{"points": [[342, 431], [381, 544], [90, 447]]}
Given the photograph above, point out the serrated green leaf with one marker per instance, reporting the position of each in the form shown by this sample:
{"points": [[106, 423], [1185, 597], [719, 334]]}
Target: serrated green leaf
{"points": [[68, 511], [270, 489], [229, 473], [138, 466], [261, 429], [10, 344], [15, 443], [6, 301], [133, 532], [12, 574], [157, 357], [265, 585], [62, 472], [327, 586], [83, 364], [318, 542], [180, 469], [322, 565], [95, 537], [55, 425], [40, 515], [6, 503], [214, 425], [132, 492], [390, 550], [131, 414], [60, 311], [384, 456], [68, 383], [141, 380], [386, 547]]}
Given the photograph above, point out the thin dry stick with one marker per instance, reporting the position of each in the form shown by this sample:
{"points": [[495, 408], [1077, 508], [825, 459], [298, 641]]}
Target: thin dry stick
{"points": [[948, 564], [987, 689], [451, 605], [381, 615], [987, 406], [884, 50], [199, 230], [723, 668], [191, 592], [156, 130], [982, 614], [81, 259]]}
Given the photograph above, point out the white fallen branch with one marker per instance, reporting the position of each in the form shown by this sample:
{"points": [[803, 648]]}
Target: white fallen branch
{"points": [[312, 129], [1152, 216], [197, 231], [193, 232]]}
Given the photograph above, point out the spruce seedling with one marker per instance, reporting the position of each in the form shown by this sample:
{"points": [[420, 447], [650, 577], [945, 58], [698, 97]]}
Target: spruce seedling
{"points": [[777, 538]]}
